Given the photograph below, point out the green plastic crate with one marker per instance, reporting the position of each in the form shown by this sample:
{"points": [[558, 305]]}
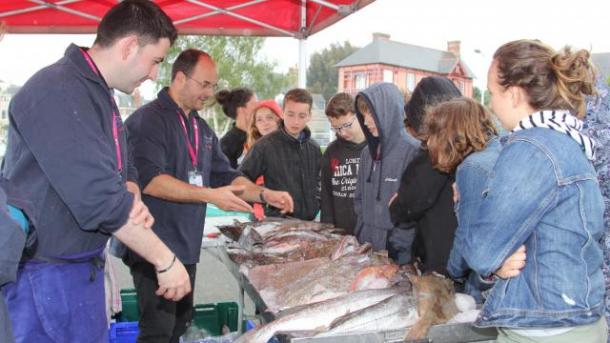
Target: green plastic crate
{"points": [[212, 317], [228, 313], [206, 317], [129, 303]]}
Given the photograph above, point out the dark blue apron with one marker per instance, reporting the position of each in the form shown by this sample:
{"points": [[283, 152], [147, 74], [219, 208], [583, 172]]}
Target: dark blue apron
{"points": [[59, 300]]}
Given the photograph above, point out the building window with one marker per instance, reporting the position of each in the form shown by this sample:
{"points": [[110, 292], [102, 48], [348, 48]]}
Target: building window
{"points": [[3, 114], [360, 81], [410, 81], [460, 85], [388, 76]]}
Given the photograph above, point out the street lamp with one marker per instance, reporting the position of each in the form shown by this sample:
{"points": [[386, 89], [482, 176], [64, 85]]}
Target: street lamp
{"points": [[483, 86]]}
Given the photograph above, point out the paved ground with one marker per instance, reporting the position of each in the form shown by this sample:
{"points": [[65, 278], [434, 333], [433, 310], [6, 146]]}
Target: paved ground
{"points": [[214, 283]]}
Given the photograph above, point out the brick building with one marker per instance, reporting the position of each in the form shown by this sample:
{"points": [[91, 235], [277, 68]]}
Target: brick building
{"points": [[402, 64]]}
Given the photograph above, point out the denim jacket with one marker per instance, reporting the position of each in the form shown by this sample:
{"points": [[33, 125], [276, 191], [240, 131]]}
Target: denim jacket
{"points": [[543, 193], [471, 179]]}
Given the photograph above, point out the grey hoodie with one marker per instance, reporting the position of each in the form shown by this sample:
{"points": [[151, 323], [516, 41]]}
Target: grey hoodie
{"points": [[381, 166]]}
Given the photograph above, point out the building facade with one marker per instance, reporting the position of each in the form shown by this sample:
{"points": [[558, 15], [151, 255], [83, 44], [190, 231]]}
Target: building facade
{"points": [[384, 60]]}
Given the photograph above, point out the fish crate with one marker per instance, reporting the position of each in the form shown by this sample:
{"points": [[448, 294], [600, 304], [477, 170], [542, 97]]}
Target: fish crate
{"points": [[212, 317], [123, 332], [129, 303]]}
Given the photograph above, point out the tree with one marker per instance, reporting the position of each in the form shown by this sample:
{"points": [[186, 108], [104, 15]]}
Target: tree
{"points": [[322, 76], [476, 95], [238, 64]]}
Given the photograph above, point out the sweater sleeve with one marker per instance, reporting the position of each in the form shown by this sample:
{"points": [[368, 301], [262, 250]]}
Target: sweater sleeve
{"points": [[420, 187], [327, 214], [78, 158], [253, 165]]}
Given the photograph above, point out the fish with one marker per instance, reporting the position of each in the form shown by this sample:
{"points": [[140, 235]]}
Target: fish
{"points": [[435, 303], [317, 316], [394, 313], [374, 277]]}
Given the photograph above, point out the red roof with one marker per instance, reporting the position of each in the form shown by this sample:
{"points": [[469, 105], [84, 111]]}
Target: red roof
{"points": [[212, 17]]}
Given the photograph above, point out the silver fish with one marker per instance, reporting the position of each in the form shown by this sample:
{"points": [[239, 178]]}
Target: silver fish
{"points": [[394, 313], [317, 316]]}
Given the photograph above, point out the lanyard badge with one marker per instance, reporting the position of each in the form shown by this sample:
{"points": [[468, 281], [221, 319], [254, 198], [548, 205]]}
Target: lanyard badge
{"points": [[195, 176]]}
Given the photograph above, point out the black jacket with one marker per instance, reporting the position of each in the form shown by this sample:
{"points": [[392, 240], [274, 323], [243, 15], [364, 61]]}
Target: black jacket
{"points": [[290, 165], [339, 177], [232, 144], [425, 196]]}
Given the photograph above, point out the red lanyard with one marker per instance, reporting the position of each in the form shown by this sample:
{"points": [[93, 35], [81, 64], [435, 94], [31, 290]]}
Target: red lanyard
{"points": [[115, 129], [193, 152]]}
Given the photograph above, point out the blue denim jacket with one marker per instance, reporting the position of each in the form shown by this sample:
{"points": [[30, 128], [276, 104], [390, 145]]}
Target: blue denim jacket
{"points": [[471, 178], [543, 193]]}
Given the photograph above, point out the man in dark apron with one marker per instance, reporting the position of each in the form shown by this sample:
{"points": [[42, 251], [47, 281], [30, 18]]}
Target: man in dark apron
{"points": [[67, 155]]}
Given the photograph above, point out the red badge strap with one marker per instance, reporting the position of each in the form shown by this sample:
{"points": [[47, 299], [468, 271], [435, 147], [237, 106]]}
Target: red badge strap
{"points": [[115, 129], [193, 152]]}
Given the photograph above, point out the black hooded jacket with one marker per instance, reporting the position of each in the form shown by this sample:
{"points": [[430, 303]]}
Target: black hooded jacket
{"points": [[287, 164]]}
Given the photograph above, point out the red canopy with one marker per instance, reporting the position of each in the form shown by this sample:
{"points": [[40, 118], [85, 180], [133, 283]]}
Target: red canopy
{"points": [[212, 17]]}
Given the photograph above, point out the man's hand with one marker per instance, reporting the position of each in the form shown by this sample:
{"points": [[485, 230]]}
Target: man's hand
{"points": [[174, 283], [140, 215], [139, 212], [226, 198], [279, 199], [513, 265]]}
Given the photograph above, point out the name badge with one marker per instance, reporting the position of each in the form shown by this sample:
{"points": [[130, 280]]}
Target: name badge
{"points": [[195, 178]]}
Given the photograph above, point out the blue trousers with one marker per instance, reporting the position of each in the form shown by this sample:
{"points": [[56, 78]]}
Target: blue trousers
{"points": [[57, 302]]}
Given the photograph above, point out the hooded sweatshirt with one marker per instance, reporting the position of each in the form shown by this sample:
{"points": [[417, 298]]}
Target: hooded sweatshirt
{"points": [[339, 176], [381, 166]]}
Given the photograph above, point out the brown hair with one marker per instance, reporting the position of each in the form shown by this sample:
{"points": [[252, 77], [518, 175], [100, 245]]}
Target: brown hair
{"points": [[362, 105], [552, 80], [340, 105], [299, 95], [253, 133], [454, 129]]}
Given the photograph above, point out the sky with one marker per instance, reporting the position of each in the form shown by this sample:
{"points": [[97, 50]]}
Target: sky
{"points": [[481, 25]]}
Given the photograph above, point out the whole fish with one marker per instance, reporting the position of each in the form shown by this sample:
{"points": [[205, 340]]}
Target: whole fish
{"points": [[394, 313], [317, 316]]}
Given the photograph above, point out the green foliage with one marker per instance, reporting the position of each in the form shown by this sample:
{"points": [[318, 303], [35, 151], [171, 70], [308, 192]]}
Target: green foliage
{"points": [[322, 76], [476, 95], [608, 81], [239, 65]]}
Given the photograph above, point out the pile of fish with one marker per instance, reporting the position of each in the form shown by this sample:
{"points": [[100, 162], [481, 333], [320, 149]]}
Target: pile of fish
{"points": [[396, 308], [318, 281], [283, 286], [278, 240]]}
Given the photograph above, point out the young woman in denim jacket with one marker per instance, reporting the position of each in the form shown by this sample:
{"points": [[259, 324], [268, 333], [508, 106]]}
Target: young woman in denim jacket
{"points": [[462, 140], [543, 193]]}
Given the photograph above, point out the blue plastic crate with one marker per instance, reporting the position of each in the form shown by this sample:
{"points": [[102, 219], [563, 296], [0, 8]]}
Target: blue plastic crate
{"points": [[123, 332]]}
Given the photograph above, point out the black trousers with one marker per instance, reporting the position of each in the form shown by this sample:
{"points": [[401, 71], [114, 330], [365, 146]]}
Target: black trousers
{"points": [[161, 320]]}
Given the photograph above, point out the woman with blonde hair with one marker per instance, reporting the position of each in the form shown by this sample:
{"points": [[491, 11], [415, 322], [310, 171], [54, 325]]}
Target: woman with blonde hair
{"points": [[542, 193], [267, 118]]}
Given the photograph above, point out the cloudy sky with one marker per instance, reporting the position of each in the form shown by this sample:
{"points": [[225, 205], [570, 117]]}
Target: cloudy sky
{"points": [[479, 24]]}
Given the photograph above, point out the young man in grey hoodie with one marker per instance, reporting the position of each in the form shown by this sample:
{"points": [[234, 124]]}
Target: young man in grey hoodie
{"points": [[379, 110]]}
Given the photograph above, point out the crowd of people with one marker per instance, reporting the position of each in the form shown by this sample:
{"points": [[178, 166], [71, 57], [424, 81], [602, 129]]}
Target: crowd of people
{"points": [[517, 215]]}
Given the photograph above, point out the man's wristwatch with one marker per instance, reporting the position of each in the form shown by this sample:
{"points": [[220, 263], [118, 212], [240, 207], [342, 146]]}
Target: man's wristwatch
{"points": [[261, 197]]}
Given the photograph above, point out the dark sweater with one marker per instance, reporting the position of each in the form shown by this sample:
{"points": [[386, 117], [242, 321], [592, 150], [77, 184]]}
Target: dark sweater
{"points": [[425, 196], [232, 144], [288, 164], [339, 176]]}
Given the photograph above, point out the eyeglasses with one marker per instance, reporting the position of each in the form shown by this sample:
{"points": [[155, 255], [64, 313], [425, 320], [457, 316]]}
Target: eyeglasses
{"points": [[205, 84], [345, 126]]}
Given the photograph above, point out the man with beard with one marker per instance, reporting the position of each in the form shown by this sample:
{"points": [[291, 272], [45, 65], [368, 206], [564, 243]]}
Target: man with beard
{"points": [[182, 168]]}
